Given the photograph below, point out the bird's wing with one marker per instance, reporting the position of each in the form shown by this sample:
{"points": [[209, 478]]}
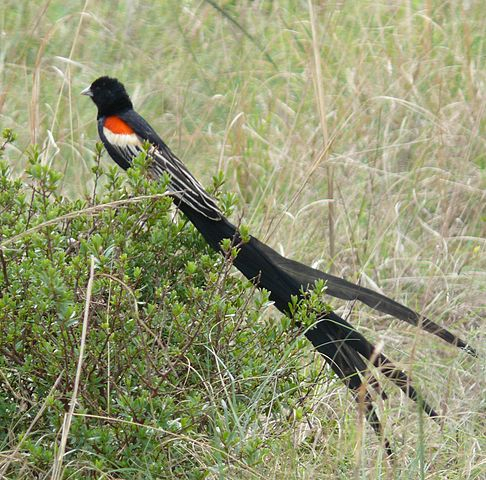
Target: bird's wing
{"points": [[183, 185]]}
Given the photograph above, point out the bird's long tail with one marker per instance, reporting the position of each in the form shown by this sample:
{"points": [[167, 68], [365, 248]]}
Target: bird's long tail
{"points": [[346, 350]]}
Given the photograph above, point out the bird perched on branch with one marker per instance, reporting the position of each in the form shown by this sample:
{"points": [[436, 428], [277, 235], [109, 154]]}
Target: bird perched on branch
{"points": [[124, 133]]}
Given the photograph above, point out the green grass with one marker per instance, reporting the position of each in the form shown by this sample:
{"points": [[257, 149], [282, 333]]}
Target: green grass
{"points": [[398, 124]]}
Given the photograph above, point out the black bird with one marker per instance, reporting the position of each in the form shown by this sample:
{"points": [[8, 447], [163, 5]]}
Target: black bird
{"points": [[124, 133]]}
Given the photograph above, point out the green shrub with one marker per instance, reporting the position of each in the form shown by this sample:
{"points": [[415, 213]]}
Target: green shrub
{"points": [[183, 360]]}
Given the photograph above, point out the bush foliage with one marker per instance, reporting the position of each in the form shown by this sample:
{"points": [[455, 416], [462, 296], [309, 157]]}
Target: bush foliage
{"points": [[183, 361]]}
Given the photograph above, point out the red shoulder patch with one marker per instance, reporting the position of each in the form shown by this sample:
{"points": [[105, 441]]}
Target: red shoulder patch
{"points": [[117, 125]]}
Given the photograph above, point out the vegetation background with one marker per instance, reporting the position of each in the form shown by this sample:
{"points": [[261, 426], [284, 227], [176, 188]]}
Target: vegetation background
{"points": [[353, 136]]}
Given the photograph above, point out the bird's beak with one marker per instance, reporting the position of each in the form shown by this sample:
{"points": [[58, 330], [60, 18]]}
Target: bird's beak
{"points": [[87, 91]]}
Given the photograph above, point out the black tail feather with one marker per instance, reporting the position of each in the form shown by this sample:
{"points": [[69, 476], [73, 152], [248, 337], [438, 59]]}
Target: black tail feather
{"points": [[344, 348]]}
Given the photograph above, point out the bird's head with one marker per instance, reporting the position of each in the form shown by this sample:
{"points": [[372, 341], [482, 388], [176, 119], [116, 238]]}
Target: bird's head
{"points": [[109, 95]]}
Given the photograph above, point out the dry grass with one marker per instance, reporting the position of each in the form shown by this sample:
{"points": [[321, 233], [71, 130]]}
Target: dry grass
{"points": [[387, 97]]}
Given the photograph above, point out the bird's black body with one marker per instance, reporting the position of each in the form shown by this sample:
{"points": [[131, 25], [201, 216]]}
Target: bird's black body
{"points": [[345, 349]]}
